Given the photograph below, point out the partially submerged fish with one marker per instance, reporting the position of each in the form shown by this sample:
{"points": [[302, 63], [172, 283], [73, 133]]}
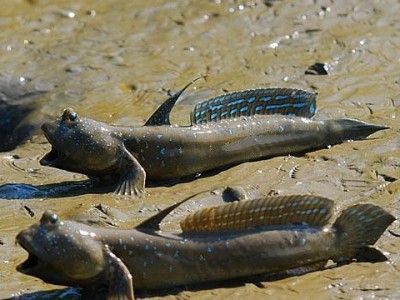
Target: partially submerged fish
{"points": [[237, 240], [225, 130]]}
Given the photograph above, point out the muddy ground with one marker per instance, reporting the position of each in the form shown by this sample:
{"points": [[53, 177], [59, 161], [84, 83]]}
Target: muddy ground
{"points": [[115, 61]]}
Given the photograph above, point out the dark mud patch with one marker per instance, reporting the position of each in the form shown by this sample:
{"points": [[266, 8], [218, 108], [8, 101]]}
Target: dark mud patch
{"points": [[17, 102]]}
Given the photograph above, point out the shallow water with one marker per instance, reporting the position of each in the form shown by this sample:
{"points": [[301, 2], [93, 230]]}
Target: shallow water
{"points": [[115, 61]]}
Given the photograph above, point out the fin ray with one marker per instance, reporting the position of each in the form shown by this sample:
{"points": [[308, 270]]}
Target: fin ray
{"points": [[119, 278], [161, 115], [263, 101], [154, 221], [247, 214], [360, 226]]}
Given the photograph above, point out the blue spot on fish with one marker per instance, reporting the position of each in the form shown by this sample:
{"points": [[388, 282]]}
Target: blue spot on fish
{"points": [[251, 100], [265, 99], [233, 111], [243, 109], [197, 114], [299, 104], [224, 113], [312, 108], [214, 115], [176, 254], [281, 128], [217, 100], [168, 245], [298, 96], [270, 107], [283, 97], [258, 107], [159, 136], [239, 101], [217, 107], [162, 151]]}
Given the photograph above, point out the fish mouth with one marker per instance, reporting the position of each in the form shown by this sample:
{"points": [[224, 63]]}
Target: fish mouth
{"points": [[52, 158], [31, 264], [38, 265]]}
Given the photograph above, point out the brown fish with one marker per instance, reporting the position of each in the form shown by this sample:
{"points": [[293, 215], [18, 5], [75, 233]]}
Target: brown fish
{"points": [[226, 130], [237, 240]]}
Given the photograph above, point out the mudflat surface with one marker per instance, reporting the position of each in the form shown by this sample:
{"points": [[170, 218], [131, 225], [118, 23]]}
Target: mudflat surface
{"points": [[115, 61]]}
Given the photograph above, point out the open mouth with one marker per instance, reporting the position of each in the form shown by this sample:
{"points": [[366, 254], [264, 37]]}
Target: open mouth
{"points": [[30, 263], [50, 158], [54, 156]]}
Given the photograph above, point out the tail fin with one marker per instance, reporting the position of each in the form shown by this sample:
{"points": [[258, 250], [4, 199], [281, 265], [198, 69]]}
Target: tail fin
{"points": [[351, 129], [360, 226]]}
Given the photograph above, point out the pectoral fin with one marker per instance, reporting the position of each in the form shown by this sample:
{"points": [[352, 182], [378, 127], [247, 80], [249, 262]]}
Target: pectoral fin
{"points": [[120, 283], [161, 115], [268, 101], [133, 176]]}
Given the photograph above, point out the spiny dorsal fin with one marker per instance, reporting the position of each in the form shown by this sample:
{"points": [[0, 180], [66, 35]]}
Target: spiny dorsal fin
{"points": [[161, 115], [268, 101], [153, 222], [247, 214]]}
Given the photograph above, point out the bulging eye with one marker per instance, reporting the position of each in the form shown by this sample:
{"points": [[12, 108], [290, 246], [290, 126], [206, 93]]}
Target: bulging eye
{"points": [[69, 115], [73, 116], [53, 219], [49, 217]]}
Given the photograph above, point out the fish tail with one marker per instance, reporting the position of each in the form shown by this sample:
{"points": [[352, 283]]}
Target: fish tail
{"points": [[358, 227], [351, 129]]}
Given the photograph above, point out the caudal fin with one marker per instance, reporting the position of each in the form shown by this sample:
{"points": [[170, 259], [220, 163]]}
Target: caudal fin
{"points": [[351, 129], [360, 226]]}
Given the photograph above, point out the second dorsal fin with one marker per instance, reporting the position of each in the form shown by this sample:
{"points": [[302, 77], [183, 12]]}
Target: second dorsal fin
{"points": [[284, 101], [161, 115], [248, 214]]}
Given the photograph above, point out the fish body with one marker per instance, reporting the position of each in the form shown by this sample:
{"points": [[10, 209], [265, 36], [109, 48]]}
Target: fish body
{"points": [[165, 260], [217, 138], [250, 237], [168, 152]]}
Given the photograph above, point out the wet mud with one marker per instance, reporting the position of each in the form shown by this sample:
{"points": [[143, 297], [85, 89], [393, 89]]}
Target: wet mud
{"points": [[116, 61]]}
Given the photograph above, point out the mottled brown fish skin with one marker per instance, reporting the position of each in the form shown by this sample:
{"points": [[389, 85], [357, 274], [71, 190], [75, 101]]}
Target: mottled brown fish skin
{"points": [[166, 152], [162, 260], [69, 253]]}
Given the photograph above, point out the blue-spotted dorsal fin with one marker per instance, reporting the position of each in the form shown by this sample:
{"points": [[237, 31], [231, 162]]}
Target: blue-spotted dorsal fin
{"points": [[248, 214], [284, 101], [161, 115]]}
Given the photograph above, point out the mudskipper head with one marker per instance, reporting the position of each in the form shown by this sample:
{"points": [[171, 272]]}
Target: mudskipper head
{"points": [[78, 144], [60, 252]]}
